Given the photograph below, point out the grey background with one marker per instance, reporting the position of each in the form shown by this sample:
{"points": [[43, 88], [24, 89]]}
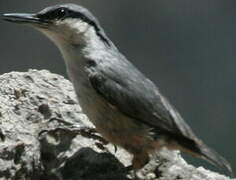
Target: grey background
{"points": [[186, 47]]}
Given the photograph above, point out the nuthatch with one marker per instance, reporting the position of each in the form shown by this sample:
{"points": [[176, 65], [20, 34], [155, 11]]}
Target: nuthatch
{"points": [[126, 108]]}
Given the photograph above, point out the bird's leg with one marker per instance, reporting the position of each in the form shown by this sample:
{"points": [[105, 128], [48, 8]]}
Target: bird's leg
{"points": [[140, 160]]}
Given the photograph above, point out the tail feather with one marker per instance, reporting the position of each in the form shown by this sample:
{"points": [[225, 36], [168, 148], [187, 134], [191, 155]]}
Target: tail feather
{"points": [[199, 149], [196, 147], [214, 158]]}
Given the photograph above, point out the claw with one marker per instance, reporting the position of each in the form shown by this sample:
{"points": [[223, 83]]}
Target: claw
{"points": [[129, 168], [115, 148], [83, 131]]}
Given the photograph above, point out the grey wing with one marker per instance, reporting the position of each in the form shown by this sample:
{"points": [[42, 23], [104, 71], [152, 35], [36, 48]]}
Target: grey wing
{"points": [[137, 97]]}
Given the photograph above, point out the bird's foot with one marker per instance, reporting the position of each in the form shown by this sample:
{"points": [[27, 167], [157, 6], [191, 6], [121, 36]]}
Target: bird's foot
{"points": [[133, 173], [87, 132], [91, 133]]}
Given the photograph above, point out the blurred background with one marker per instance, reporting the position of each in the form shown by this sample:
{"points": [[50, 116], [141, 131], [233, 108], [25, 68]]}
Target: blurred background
{"points": [[187, 47]]}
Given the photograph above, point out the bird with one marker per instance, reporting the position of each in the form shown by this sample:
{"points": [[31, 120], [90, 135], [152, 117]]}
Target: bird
{"points": [[125, 106]]}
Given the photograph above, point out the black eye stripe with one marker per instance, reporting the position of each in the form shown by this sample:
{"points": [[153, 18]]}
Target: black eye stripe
{"points": [[59, 13], [62, 13]]}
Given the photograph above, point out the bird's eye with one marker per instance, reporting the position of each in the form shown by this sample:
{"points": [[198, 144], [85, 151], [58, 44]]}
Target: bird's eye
{"points": [[60, 13]]}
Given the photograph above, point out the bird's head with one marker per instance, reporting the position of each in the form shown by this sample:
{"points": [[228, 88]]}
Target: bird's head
{"points": [[66, 23]]}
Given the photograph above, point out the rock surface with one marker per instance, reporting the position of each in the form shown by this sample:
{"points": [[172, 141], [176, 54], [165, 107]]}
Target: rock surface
{"points": [[39, 137]]}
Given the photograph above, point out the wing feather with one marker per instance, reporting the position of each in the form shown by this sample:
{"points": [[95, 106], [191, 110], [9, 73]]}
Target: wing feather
{"points": [[137, 97]]}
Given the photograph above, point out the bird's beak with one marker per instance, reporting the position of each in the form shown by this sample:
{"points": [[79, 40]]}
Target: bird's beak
{"points": [[23, 18]]}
